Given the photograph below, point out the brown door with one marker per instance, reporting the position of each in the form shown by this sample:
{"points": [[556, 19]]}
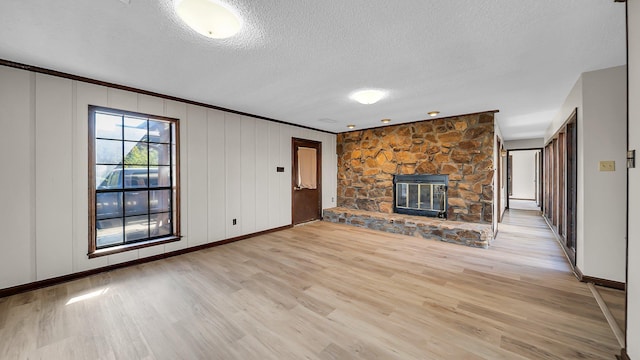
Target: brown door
{"points": [[572, 186], [305, 181]]}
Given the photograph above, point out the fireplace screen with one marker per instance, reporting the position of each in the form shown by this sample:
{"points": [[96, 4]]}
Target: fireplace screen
{"points": [[424, 195]]}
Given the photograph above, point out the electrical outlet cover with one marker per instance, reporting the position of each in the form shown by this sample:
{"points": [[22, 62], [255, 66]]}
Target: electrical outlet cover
{"points": [[607, 166]]}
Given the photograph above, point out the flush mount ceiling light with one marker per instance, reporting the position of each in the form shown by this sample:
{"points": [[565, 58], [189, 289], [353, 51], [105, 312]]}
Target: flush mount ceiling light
{"points": [[369, 96], [433, 113], [385, 121], [351, 126], [209, 18]]}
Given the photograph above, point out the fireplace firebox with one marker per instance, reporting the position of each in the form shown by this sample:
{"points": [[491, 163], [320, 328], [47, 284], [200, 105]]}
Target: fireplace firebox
{"points": [[424, 195]]}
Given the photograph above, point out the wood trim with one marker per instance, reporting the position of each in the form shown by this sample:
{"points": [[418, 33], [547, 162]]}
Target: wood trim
{"points": [[623, 355], [604, 282], [65, 278], [613, 324], [310, 143], [598, 281], [40, 70], [571, 257], [417, 121]]}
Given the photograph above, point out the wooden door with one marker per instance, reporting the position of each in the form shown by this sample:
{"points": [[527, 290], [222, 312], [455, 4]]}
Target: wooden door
{"points": [[500, 192], [509, 174], [572, 186], [306, 181]]}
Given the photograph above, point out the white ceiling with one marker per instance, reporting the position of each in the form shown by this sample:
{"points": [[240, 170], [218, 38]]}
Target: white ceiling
{"points": [[298, 60]]}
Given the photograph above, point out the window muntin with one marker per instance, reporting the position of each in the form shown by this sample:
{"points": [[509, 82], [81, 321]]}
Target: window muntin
{"points": [[133, 180]]}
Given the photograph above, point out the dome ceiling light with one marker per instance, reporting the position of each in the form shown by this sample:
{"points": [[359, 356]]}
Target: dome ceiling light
{"points": [[433, 113], [209, 18], [369, 96]]}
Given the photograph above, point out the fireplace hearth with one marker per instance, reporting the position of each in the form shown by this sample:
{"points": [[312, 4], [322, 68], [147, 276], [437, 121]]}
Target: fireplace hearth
{"points": [[423, 195]]}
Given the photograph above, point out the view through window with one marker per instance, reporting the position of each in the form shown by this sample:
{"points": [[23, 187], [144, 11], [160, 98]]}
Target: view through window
{"points": [[133, 178]]}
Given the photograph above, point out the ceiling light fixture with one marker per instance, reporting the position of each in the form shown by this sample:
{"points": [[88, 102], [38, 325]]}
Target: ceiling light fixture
{"points": [[369, 96], [433, 113], [351, 126], [209, 18], [385, 121]]}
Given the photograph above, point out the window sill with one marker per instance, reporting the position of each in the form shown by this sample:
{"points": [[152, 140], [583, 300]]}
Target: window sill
{"points": [[135, 246]]}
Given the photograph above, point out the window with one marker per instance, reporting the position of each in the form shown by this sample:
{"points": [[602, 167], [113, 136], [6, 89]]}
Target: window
{"points": [[133, 180]]}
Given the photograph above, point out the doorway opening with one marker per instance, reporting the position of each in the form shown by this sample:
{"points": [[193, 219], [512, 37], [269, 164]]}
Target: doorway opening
{"points": [[306, 184], [524, 174]]}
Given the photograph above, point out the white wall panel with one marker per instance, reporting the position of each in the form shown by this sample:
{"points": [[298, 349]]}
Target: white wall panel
{"points": [[54, 172], [264, 169], [122, 257], [232, 174], [328, 178], [150, 105], [122, 100], [198, 175], [248, 175], [86, 94], [216, 182], [275, 177], [285, 187], [17, 243], [178, 110]]}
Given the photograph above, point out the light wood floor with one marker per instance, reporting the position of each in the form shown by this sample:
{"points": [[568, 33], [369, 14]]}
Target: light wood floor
{"points": [[323, 291], [615, 301], [517, 204]]}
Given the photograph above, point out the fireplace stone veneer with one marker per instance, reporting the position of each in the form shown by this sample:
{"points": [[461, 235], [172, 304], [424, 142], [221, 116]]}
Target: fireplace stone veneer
{"points": [[457, 232], [461, 147]]}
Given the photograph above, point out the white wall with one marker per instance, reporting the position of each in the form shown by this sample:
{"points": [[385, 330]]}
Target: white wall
{"points": [[633, 280], [523, 174], [600, 97], [524, 144], [228, 170], [497, 193]]}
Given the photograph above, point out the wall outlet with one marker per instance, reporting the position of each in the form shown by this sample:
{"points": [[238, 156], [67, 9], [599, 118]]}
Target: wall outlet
{"points": [[607, 166], [235, 222]]}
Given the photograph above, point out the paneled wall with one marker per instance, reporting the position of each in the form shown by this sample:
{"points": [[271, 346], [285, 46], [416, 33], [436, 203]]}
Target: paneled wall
{"points": [[227, 162]]}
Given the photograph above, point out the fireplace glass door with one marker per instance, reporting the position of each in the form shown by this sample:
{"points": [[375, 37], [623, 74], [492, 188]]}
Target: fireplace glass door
{"points": [[421, 195]]}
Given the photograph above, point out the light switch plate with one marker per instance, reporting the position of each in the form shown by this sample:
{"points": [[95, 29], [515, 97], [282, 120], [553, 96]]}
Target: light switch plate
{"points": [[607, 166]]}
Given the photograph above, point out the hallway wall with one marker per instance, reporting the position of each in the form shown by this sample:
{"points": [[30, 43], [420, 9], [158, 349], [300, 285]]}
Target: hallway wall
{"points": [[600, 97]]}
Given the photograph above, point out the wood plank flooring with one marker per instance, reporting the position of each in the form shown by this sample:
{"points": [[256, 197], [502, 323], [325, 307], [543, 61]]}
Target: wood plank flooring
{"points": [[323, 291]]}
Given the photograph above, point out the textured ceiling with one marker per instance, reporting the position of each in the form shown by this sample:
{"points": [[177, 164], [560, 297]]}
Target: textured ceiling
{"points": [[298, 60]]}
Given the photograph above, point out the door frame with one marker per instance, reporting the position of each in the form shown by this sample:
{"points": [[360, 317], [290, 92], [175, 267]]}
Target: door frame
{"points": [[541, 169], [311, 143]]}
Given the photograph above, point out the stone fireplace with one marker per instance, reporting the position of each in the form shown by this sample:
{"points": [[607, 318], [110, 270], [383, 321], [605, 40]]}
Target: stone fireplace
{"points": [[458, 151], [460, 147]]}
